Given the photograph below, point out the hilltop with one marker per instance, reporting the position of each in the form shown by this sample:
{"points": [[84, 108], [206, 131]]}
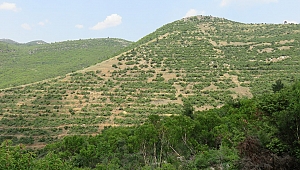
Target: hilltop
{"points": [[36, 42], [203, 60]]}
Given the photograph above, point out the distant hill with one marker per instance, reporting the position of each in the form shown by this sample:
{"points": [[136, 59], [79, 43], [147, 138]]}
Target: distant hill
{"points": [[9, 41], [37, 60], [203, 60], [36, 42]]}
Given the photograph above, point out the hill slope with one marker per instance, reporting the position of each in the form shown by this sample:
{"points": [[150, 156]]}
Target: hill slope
{"points": [[9, 41], [36, 42], [36, 60], [201, 60]]}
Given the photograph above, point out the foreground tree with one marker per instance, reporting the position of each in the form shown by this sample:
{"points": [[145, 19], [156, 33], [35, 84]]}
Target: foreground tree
{"points": [[277, 86], [188, 109]]}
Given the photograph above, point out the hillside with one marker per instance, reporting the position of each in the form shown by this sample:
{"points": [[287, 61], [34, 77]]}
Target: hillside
{"points": [[201, 60], [37, 60], [36, 42], [257, 133], [9, 41]]}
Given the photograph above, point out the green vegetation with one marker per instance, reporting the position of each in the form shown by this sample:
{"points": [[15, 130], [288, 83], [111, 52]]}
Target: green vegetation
{"points": [[36, 61], [197, 93], [201, 62], [256, 133]]}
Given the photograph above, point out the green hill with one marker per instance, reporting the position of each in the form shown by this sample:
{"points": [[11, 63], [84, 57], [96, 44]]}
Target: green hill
{"points": [[203, 60], [36, 60], [9, 41], [36, 42]]}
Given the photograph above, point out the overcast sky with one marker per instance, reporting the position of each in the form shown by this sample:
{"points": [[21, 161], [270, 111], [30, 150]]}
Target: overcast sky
{"points": [[60, 20]]}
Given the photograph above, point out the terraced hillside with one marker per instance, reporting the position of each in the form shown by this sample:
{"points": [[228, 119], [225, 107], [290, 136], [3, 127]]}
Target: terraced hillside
{"points": [[202, 60], [37, 60]]}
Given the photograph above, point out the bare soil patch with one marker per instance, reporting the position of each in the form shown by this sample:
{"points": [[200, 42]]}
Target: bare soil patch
{"points": [[239, 90], [225, 43], [268, 50], [285, 41], [285, 47], [211, 87]]}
